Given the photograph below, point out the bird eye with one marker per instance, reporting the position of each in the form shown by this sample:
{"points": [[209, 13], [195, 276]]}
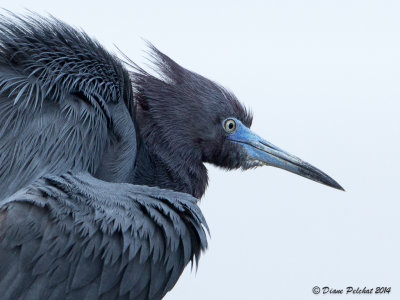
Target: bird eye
{"points": [[230, 125]]}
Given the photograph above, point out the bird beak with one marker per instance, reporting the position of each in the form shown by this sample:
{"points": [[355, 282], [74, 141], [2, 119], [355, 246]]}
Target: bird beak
{"points": [[260, 152]]}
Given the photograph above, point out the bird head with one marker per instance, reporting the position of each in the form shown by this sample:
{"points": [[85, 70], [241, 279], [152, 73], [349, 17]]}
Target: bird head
{"points": [[195, 119]]}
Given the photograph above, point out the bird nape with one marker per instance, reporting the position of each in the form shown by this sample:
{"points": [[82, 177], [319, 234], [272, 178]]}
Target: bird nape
{"points": [[102, 165]]}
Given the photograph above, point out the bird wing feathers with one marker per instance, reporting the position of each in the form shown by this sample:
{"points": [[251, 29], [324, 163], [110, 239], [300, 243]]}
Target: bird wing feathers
{"points": [[58, 92], [56, 138], [77, 237]]}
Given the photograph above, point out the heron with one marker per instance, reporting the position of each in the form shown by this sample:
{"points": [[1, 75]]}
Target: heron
{"points": [[102, 164]]}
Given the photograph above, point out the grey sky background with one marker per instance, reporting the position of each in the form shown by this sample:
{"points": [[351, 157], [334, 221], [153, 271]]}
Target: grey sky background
{"points": [[322, 78]]}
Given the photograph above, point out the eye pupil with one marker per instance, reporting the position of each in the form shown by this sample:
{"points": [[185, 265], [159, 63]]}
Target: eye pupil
{"points": [[230, 125]]}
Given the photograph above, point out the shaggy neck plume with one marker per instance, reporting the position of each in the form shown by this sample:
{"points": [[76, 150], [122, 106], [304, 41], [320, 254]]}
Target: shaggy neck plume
{"points": [[171, 165], [169, 168]]}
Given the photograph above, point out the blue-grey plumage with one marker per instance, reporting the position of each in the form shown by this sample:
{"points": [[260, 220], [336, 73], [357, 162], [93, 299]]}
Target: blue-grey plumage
{"points": [[101, 167], [77, 237], [66, 107]]}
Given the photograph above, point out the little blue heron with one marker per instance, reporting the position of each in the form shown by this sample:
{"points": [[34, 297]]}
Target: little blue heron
{"points": [[102, 165]]}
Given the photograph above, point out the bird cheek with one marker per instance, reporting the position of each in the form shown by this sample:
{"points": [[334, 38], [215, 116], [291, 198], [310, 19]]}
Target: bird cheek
{"points": [[228, 156]]}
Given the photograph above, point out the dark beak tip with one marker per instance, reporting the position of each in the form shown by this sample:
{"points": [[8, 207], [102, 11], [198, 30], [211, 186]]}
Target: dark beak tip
{"points": [[336, 186], [341, 188]]}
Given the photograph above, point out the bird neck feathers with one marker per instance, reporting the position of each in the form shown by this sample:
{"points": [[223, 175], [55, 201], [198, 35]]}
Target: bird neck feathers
{"points": [[169, 165]]}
